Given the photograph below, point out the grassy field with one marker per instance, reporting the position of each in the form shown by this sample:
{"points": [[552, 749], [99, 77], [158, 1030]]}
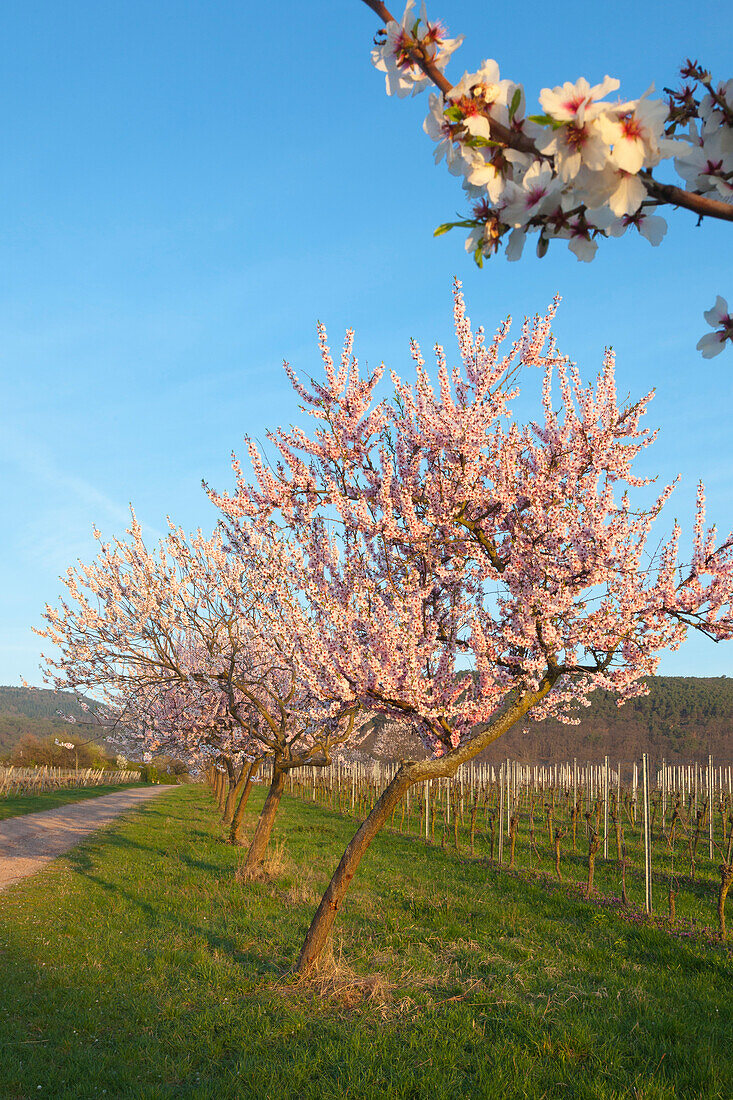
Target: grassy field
{"points": [[16, 804], [142, 966]]}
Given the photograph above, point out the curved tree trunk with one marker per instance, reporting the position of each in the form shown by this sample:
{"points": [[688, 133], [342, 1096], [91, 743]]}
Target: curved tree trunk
{"points": [[407, 774], [236, 829], [260, 840], [325, 914]]}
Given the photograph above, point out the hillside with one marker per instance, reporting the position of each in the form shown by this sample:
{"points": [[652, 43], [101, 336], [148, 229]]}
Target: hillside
{"points": [[683, 718], [34, 710]]}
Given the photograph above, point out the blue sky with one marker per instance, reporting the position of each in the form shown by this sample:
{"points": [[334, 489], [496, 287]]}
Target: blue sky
{"points": [[188, 186]]}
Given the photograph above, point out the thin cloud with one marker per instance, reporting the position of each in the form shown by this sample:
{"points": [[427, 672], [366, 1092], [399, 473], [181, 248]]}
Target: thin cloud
{"points": [[30, 459]]}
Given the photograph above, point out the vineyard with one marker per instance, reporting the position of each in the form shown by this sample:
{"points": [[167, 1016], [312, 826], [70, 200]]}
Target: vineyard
{"points": [[25, 781], [654, 843]]}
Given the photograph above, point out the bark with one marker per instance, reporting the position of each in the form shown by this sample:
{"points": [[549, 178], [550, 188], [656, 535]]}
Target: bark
{"points": [[219, 789], [230, 790], [261, 838], [236, 829]]}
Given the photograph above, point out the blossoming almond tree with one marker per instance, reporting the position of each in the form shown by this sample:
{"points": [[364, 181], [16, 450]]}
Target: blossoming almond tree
{"points": [[583, 169], [178, 634], [467, 569]]}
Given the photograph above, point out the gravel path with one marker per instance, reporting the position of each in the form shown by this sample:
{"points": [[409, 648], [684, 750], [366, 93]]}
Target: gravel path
{"points": [[29, 842]]}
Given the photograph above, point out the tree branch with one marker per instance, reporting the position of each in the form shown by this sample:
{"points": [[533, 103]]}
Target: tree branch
{"points": [[664, 193]]}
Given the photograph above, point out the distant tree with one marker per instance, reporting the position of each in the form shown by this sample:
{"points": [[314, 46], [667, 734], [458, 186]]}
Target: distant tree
{"points": [[194, 648]]}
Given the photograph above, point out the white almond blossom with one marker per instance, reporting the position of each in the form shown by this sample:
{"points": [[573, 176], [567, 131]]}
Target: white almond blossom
{"points": [[534, 195], [720, 319], [575, 145], [709, 163], [636, 132], [403, 76], [490, 171], [650, 226], [711, 112], [567, 102]]}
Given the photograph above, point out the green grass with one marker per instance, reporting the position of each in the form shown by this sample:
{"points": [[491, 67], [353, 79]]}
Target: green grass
{"points": [[138, 966], [695, 887], [16, 804]]}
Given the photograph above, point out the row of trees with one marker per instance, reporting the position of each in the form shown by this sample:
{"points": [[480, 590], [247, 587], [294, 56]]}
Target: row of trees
{"points": [[404, 541]]}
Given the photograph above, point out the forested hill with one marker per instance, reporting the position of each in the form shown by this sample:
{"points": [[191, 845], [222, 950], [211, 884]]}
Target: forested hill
{"points": [[683, 718], [34, 710]]}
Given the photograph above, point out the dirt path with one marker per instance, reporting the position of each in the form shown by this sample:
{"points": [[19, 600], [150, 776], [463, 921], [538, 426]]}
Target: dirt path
{"points": [[29, 842]]}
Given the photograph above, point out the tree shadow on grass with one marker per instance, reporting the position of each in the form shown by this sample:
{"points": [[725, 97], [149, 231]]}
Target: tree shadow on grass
{"points": [[83, 863]]}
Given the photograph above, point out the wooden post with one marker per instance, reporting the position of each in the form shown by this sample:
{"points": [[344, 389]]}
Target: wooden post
{"points": [[501, 813], [647, 836], [711, 785], [507, 776], [605, 808]]}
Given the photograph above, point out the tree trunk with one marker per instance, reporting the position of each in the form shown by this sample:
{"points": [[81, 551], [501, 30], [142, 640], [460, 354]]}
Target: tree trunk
{"points": [[325, 914], [236, 829], [261, 838], [231, 789], [408, 773], [219, 788]]}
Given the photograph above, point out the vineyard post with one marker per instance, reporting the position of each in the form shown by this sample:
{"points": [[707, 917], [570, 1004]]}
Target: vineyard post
{"points": [[605, 808], [711, 784], [427, 810], [501, 814], [647, 836], [664, 792], [618, 785]]}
